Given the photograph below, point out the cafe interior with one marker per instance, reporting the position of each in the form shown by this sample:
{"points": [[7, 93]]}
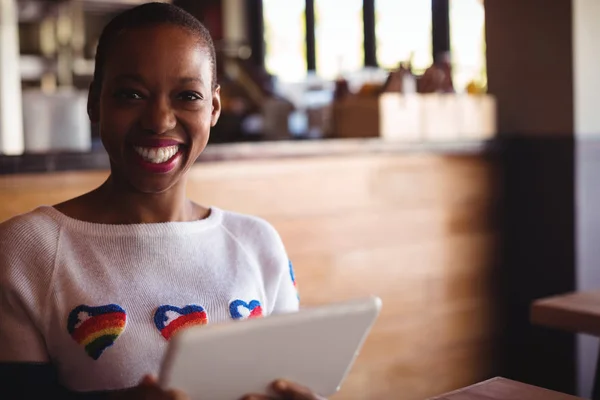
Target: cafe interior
{"points": [[439, 154]]}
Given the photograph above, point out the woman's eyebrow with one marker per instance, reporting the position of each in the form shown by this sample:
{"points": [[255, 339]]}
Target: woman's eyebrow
{"points": [[138, 78], [190, 80]]}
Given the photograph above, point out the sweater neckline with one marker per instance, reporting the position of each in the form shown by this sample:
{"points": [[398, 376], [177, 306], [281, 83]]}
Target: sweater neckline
{"points": [[146, 229]]}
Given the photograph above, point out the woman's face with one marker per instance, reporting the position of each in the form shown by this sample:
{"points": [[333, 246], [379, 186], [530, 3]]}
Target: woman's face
{"points": [[156, 106]]}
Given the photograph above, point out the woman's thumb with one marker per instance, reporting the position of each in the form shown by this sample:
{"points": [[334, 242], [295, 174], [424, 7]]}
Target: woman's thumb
{"points": [[148, 380]]}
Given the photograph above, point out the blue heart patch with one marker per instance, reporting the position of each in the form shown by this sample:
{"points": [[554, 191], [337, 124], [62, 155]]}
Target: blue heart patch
{"points": [[239, 309]]}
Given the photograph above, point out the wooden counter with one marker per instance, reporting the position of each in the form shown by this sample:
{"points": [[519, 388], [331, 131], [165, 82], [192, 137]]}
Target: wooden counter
{"points": [[417, 229], [504, 389], [98, 159]]}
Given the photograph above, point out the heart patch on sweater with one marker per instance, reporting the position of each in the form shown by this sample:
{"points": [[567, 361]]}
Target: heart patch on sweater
{"points": [[293, 277], [96, 328], [239, 309], [170, 319]]}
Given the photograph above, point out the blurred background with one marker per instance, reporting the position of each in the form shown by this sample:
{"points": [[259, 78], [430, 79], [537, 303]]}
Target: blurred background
{"points": [[438, 153], [281, 64]]}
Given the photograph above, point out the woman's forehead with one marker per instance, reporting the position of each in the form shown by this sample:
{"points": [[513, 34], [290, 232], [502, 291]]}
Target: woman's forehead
{"points": [[156, 50]]}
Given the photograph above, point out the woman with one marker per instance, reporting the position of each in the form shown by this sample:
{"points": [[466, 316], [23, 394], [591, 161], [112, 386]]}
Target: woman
{"points": [[92, 289]]}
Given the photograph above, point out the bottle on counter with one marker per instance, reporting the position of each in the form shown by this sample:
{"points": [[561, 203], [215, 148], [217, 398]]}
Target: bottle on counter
{"points": [[342, 89], [402, 80]]}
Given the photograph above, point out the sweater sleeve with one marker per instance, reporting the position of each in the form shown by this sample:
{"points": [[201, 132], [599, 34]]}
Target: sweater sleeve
{"points": [[277, 265], [287, 298], [25, 270], [264, 245], [20, 340]]}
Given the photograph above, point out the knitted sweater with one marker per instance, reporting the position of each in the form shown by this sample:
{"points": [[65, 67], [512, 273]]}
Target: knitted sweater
{"points": [[100, 302]]}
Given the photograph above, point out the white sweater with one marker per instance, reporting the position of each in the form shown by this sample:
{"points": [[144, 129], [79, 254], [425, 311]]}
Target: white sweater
{"points": [[101, 301]]}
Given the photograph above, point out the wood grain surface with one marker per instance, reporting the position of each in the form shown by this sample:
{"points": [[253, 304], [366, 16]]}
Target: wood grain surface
{"points": [[504, 389], [574, 312]]}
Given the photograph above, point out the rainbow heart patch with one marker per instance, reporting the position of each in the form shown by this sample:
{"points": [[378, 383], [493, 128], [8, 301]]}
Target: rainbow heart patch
{"points": [[96, 328], [239, 309], [170, 319]]}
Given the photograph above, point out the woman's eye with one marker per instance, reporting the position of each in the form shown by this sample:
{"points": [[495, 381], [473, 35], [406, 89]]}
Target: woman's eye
{"points": [[128, 94], [189, 96]]}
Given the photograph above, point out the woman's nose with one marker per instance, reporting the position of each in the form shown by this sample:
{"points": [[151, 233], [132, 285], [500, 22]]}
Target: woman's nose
{"points": [[159, 117]]}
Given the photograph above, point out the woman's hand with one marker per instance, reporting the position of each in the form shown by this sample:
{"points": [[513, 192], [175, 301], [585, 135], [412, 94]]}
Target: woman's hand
{"points": [[148, 389], [285, 390]]}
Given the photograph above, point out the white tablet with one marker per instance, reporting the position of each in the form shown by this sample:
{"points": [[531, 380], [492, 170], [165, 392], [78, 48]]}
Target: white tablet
{"points": [[314, 347]]}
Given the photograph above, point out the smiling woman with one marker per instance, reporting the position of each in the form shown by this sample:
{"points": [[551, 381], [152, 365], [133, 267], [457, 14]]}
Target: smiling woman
{"points": [[83, 283]]}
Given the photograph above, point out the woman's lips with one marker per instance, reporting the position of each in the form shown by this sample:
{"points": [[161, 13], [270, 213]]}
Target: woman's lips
{"points": [[158, 159]]}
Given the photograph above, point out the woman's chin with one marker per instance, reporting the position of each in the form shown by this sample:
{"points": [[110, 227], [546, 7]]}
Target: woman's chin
{"points": [[142, 180]]}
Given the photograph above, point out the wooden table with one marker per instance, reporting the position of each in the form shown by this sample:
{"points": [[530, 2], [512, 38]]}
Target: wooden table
{"points": [[504, 389], [577, 312], [574, 312]]}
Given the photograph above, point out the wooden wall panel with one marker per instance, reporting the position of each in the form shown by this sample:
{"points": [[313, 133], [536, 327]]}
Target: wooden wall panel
{"points": [[21, 193], [417, 230]]}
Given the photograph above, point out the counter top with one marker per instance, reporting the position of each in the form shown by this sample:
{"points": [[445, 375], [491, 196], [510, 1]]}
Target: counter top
{"points": [[98, 160]]}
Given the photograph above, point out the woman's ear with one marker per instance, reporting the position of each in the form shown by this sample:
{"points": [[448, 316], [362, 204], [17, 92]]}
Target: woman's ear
{"points": [[93, 104], [216, 106]]}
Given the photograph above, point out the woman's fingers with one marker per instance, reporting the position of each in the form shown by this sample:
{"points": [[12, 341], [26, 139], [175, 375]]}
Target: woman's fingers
{"points": [[293, 391], [177, 395], [148, 380], [286, 390]]}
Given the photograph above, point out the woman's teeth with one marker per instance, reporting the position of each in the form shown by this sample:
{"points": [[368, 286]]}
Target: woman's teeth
{"points": [[156, 155]]}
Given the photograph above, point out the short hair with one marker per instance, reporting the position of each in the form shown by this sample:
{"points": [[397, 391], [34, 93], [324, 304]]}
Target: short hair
{"points": [[150, 14]]}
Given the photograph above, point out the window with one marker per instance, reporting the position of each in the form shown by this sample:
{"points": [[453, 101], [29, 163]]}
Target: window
{"points": [[403, 30], [285, 38], [467, 43], [339, 37]]}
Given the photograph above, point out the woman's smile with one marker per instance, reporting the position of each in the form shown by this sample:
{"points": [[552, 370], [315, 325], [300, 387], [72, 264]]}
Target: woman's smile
{"points": [[156, 155]]}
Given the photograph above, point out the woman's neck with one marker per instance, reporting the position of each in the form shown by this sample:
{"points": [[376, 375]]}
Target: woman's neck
{"points": [[117, 203], [130, 206]]}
